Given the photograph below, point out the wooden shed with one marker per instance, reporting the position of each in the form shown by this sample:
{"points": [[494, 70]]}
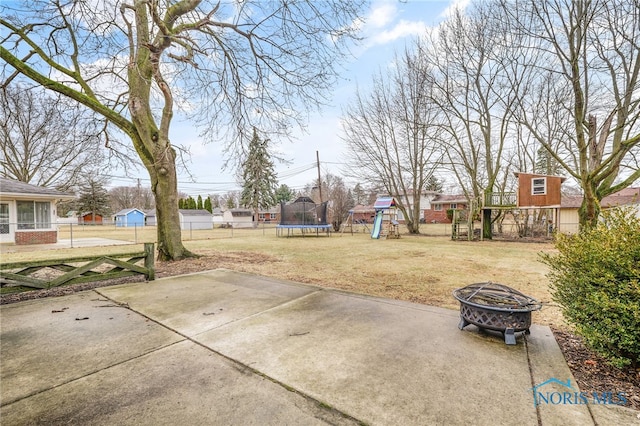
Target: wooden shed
{"points": [[91, 219], [536, 190]]}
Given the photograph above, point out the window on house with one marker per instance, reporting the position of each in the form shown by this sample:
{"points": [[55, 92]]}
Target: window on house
{"points": [[539, 186], [437, 207], [4, 218], [261, 216], [453, 206], [34, 215]]}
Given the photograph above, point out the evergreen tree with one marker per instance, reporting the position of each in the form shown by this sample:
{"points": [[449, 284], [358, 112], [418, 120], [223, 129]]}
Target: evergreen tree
{"points": [[258, 177], [207, 205], [231, 203], [199, 205], [191, 203], [546, 164], [284, 194], [433, 184], [359, 194], [94, 199]]}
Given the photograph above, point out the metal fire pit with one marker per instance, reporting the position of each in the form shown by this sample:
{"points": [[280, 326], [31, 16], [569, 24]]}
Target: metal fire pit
{"points": [[496, 307]]}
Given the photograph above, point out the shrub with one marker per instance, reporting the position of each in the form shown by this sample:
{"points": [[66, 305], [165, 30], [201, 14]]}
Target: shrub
{"points": [[595, 277], [450, 214]]}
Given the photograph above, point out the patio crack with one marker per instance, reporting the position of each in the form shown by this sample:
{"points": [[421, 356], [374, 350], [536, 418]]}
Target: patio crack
{"points": [[323, 410]]}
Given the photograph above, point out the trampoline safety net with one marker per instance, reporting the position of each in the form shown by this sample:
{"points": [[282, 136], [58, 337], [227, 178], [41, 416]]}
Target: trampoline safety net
{"points": [[303, 213]]}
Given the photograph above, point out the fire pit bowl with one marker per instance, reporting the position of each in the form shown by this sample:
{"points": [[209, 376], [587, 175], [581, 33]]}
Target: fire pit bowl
{"points": [[496, 307]]}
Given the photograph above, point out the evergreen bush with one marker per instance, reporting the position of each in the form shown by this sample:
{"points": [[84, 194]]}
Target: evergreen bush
{"points": [[595, 277]]}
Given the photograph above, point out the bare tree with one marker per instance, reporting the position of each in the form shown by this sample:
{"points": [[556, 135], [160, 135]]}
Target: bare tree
{"points": [[339, 199], [581, 100], [391, 134], [135, 63], [46, 140], [474, 94], [126, 197]]}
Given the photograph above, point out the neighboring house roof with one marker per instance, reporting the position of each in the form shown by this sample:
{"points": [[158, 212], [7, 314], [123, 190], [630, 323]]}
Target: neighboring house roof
{"points": [[362, 209], [10, 187], [625, 197], [125, 212], [240, 212], [194, 212], [448, 199], [270, 210]]}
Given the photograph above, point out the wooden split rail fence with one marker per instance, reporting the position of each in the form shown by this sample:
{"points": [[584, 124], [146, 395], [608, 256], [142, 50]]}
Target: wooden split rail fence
{"points": [[78, 269]]}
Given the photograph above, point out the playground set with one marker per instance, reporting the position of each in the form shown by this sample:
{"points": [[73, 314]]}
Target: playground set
{"points": [[385, 222]]}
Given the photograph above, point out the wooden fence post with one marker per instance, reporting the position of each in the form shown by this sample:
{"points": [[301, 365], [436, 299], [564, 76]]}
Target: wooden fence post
{"points": [[149, 257]]}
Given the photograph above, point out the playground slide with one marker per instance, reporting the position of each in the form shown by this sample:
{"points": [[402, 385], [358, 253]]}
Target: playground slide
{"points": [[377, 225]]}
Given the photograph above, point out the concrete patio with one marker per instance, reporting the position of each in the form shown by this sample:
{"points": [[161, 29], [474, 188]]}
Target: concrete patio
{"points": [[228, 348]]}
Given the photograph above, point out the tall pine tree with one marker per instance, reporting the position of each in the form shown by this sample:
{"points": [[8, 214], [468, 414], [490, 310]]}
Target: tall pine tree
{"points": [[94, 199], [259, 180]]}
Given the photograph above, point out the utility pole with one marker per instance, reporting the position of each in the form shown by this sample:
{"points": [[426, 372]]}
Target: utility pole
{"points": [[319, 180]]}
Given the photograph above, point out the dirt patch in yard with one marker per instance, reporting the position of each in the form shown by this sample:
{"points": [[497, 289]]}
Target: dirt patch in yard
{"points": [[591, 372]]}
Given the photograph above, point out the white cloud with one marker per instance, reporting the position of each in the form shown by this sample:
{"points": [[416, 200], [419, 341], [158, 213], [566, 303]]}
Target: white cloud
{"points": [[455, 4], [381, 15], [400, 30]]}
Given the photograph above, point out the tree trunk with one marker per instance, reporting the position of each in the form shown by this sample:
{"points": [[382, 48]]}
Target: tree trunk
{"points": [[486, 224], [589, 210], [165, 188]]}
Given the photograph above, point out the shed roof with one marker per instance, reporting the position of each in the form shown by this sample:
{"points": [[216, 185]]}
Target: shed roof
{"points": [[194, 212], [562, 178], [624, 197], [125, 212]]}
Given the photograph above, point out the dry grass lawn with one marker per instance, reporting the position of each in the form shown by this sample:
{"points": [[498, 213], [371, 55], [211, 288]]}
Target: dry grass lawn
{"points": [[414, 268]]}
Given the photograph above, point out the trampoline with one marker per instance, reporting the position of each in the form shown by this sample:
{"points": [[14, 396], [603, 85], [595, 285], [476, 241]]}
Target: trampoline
{"points": [[304, 215]]}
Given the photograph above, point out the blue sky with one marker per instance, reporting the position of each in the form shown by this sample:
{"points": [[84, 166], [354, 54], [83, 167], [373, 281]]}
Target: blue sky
{"points": [[390, 25]]}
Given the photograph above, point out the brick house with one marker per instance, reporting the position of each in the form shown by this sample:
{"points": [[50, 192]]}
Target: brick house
{"points": [[271, 215], [437, 213], [28, 212]]}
